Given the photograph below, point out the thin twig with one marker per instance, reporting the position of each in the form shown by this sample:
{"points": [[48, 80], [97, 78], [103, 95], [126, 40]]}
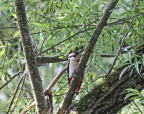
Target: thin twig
{"points": [[123, 20], [80, 31], [17, 87], [55, 95], [119, 51], [137, 107], [115, 58], [7, 27], [98, 77], [43, 43], [18, 95], [134, 3], [119, 21], [16, 38], [34, 44], [4, 58], [136, 32], [102, 69], [137, 6], [10, 79], [109, 24]]}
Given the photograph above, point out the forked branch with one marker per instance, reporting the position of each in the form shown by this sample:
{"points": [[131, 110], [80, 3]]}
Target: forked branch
{"points": [[82, 65], [48, 90]]}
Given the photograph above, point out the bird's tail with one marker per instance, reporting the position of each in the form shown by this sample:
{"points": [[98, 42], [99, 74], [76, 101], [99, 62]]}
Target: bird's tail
{"points": [[79, 85]]}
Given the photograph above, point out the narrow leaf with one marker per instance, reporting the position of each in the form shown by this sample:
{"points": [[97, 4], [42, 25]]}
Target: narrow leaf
{"points": [[124, 70]]}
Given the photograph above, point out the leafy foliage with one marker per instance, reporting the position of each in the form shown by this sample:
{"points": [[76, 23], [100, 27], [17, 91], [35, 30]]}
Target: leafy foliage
{"points": [[134, 63], [138, 101], [57, 28]]}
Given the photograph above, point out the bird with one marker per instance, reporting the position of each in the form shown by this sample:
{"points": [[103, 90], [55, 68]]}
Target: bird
{"points": [[73, 60]]}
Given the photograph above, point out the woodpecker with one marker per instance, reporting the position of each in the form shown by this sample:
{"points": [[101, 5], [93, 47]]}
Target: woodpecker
{"points": [[73, 60]]}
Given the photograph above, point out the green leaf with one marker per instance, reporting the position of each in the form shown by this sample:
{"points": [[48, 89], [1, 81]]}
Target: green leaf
{"points": [[136, 65], [2, 52], [124, 70], [82, 39], [16, 34], [129, 56], [13, 14], [133, 94], [142, 103], [2, 1], [131, 71], [4, 8], [133, 90], [38, 24], [135, 112]]}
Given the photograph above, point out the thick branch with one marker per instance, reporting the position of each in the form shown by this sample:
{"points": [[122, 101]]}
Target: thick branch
{"points": [[109, 97], [41, 60], [54, 81], [78, 72], [35, 79], [44, 60]]}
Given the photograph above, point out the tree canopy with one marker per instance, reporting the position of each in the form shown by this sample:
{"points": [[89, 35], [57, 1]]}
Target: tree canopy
{"points": [[36, 38]]}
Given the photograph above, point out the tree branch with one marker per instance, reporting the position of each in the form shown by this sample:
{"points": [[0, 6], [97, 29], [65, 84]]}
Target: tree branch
{"points": [[109, 96], [35, 79], [54, 81], [44, 60], [18, 96], [137, 107], [80, 31], [114, 62], [10, 79], [7, 27], [48, 90], [29, 108], [12, 100], [55, 59], [82, 65]]}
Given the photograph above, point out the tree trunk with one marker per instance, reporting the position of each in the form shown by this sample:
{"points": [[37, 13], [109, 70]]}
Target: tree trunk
{"points": [[33, 72], [109, 97]]}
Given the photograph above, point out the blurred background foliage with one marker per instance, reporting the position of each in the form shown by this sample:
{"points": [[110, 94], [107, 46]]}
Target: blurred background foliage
{"points": [[58, 27]]}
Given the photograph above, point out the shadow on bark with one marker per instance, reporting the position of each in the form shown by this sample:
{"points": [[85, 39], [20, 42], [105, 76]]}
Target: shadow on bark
{"points": [[109, 96]]}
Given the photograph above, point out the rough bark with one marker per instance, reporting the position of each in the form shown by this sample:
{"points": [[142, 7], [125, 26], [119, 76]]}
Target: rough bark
{"points": [[44, 60], [87, 52], [35, 79], [109, 97]]}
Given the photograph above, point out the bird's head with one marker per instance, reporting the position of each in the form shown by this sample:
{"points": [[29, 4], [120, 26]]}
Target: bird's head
{"points": [[74, 55]]}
